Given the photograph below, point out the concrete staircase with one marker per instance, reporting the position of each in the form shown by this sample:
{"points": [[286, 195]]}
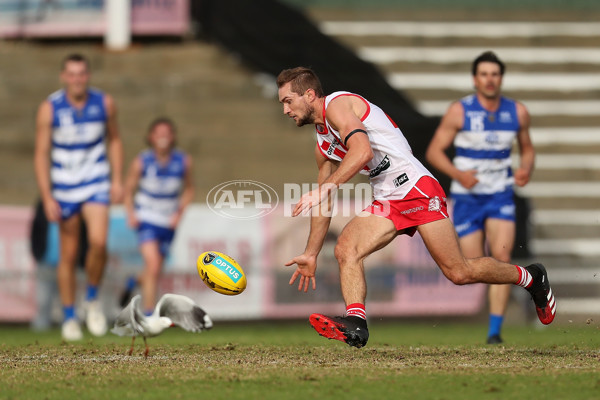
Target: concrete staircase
{"points": [[552, 67]]}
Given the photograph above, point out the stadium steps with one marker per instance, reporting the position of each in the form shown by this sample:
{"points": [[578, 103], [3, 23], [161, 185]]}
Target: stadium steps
{"points": [[552, 68]]}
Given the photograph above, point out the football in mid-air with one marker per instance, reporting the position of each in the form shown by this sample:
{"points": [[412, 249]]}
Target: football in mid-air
{"points": [[221, 273]]}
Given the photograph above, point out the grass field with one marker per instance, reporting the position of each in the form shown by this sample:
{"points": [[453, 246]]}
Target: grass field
{"points": [[403, 360]]}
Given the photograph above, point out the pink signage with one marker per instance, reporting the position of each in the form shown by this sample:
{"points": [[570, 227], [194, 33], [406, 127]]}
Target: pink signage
{"points": [[17, 268], [64, 18]]}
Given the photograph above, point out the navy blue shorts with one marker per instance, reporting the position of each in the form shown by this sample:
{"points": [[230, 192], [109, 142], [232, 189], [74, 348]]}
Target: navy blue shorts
{"points": [[163, 236], [70, 209], [471, 210]]}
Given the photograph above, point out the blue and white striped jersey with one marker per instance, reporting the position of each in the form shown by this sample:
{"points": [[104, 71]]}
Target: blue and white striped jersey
{"points": [[484, 144], [157, 198], [80, 166]]}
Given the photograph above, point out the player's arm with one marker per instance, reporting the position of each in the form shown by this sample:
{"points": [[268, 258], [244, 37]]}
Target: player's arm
{"points": [[41, 160], [131, 184], [319, 224], [443, 137], [115, 150], [526, 149], [187, 194], [321, 216], [342, 114]]}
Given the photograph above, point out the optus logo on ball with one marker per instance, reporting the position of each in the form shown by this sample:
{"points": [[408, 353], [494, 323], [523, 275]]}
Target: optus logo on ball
{"points": [[242, 199], [228, 269]]}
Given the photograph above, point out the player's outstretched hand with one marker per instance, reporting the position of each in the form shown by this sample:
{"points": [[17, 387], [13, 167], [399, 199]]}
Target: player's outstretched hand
{"points": [[313, 198], [306, 267]]}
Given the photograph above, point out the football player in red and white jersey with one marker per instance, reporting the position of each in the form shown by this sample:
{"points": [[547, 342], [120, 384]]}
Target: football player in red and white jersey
{"points": [[354, 135]]}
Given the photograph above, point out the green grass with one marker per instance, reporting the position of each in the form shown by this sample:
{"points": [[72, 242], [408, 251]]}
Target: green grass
{"points": [[404, 359]]}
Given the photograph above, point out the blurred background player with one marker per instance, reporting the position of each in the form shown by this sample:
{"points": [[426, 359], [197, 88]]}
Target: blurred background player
{"points": [[44, 249], [76, 136], [157, 191], [483, 127], [354, 135]]}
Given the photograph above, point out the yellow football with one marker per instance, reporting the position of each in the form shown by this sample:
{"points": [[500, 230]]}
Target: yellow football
{"points": [[221, 273]]}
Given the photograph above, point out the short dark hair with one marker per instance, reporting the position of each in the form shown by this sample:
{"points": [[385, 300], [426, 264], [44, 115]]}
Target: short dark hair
{"points": [[75, 57], [160, 121], [302, 79], [488, 56]]}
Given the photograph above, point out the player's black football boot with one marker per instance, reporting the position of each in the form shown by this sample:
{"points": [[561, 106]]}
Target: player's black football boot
{"points": [[541, 293], [351, 330], [494, 339]]}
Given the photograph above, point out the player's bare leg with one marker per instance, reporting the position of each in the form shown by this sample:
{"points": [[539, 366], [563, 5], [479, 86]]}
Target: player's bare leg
{"points": [[66, 277], [152, 265], [362, 236], [472, 245], [500, 236], [441, 241], [96, 218], [69, 245]]}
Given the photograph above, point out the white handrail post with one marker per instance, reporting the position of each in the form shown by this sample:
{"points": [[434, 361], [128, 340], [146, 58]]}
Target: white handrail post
{"points": [[117, 35]]}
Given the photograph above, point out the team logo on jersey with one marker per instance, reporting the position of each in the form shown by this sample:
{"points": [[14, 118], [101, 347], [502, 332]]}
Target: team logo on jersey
{"points": [[402, 179], [93, 111], [65, 117], [505, 117], [435, 204], [175, 169], [382, 166]]}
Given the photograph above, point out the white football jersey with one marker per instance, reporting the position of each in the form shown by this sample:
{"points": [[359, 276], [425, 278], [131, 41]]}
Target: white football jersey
{"points": [[484, 144], [394, 170], [80, 166]]}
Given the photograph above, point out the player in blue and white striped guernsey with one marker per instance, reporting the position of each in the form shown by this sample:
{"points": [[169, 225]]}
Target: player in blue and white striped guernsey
{"points": [[76, 137], [483, 127], [157, 191]]}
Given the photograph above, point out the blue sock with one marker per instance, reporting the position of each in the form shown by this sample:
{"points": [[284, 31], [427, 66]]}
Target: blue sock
{"points": [[495, 324], [92, 292], [131, 283], [148, 313], [69, 312]]}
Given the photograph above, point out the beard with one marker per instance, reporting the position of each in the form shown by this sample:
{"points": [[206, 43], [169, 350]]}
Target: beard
{"points": [[306, 119]]}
